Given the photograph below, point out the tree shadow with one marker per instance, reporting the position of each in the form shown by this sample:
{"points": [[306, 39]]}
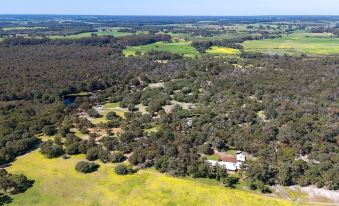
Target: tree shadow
{"points": [[5, 199]]}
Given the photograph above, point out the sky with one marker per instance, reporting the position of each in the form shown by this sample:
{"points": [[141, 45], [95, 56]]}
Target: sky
{"points": [[172, 7]]}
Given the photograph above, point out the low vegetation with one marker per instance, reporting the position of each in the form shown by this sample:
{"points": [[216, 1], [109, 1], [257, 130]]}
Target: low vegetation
{"points": [[86, 167], [145, 187]]}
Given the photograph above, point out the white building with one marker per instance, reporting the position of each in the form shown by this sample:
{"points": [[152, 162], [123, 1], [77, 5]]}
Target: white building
{"points": [[231, 166], [240, 157]]}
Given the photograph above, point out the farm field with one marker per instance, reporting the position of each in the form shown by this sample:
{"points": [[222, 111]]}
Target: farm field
{"points": [[223, 51], [189, 37], [183, 47], [57, 182], [296, 43]]}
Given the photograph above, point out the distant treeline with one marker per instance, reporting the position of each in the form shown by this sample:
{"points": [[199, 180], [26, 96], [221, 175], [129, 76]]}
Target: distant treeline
{"points": [[132, 40], [234, 43]]}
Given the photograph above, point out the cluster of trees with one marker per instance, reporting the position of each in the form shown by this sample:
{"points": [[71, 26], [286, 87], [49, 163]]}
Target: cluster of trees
{"points": [[12, 184], [234, 43], [84, 69], [326, 29], [232, 104], [47, 28], [21, 121]]}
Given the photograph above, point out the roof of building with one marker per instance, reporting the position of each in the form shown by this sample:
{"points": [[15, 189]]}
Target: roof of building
{"points": [[229, 159], [226, 165]]}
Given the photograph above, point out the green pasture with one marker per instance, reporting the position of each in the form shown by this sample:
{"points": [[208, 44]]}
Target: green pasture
{"points": [[181, 47], [296, 43], [223, 51], [58, 183]]}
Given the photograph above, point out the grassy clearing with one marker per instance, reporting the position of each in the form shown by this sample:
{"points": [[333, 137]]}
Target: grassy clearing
{"points": [[297, 43], [141, 108], [223, 51], [114, 107], [181, 47], [78, 133], [214, 157], [109, 107], [58, 183], [45, 138]]}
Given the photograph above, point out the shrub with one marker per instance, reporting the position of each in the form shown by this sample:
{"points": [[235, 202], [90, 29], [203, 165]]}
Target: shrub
{"points": [[63, 131], [72, 149], [111, 116], [230, 181], [86, 167], [122, 169], [93, 113], [253, 186], [205, 149], [92, 154], [49, 130], [118, 157]]}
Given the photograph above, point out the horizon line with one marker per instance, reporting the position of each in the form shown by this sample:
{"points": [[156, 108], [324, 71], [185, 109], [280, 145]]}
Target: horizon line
{"points": [[171, 15]]}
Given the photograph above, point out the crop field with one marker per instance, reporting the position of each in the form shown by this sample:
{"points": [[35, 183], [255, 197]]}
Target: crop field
{"points": [[297, 43], [58, 183], [175, 47], [223, 51], [189, 37]]}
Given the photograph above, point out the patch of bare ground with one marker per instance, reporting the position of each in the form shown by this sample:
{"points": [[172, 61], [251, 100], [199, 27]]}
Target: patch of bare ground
{"points": [[319, 194], [310, 195], [141, 108], [156, 85], [169, 108]]}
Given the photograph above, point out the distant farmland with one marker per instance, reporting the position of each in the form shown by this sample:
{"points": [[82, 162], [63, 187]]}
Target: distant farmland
{"points": [[223, 51], [297, 43], [181, 47]]}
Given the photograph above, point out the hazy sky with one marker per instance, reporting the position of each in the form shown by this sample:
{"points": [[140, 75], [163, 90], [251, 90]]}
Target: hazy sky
{"points": [[171, 7]]}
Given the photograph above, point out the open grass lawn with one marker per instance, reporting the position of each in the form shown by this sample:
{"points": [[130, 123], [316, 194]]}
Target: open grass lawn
{"points": [[214, 157], [114, 107], [58, 183], [223, 51], [180, 47], [297, 43]]}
